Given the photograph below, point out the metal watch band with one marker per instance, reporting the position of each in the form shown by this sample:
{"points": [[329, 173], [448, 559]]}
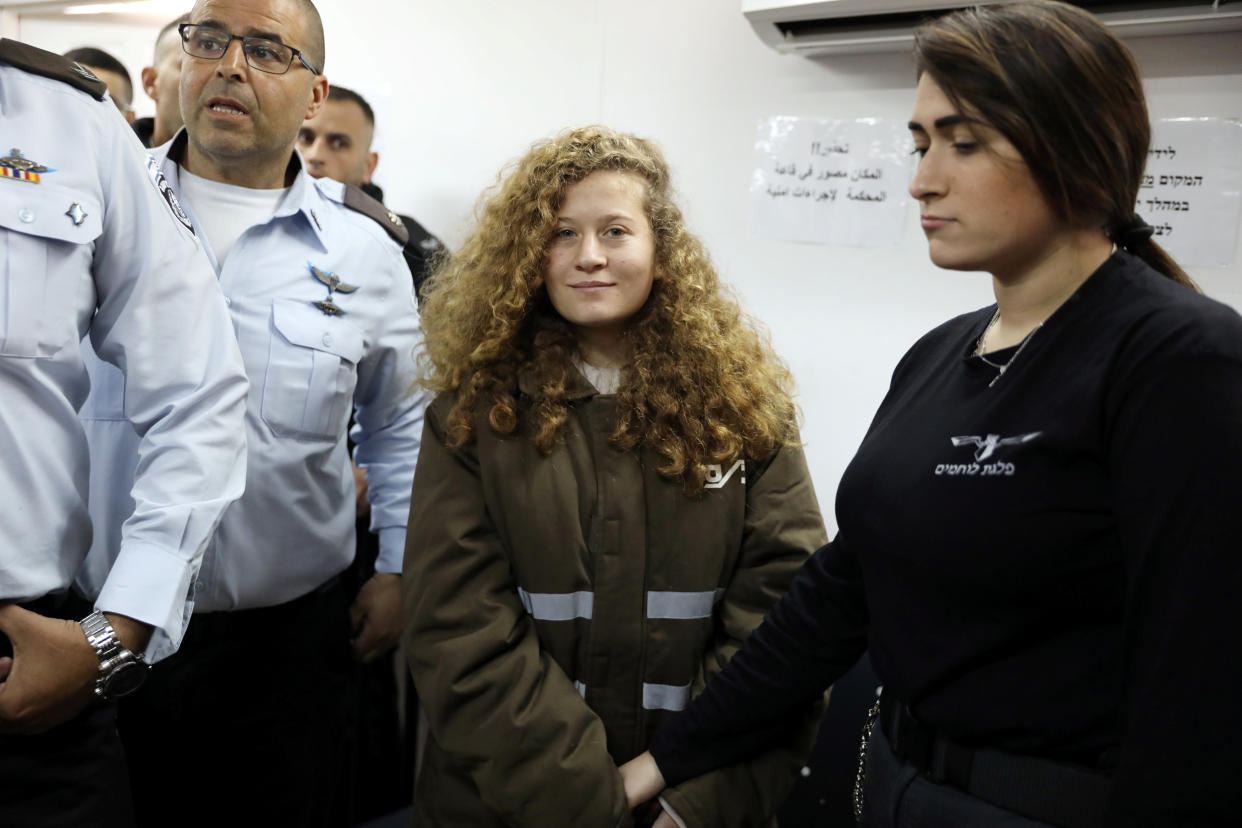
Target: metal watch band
{"points": [[120, 671], [101, 636]]}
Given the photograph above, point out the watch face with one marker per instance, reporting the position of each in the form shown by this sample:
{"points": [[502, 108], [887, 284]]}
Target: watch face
{"points": [[125, 679]]}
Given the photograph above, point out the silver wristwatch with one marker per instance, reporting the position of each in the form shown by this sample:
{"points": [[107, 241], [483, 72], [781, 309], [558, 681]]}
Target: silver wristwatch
{"points": [[120, 671]]}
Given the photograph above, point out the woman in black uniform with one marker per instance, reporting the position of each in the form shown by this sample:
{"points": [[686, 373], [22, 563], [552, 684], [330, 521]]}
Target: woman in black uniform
{"points": [[1039, 535]]}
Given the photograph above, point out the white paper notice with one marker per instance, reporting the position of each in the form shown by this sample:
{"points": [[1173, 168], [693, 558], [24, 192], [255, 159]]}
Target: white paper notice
{"points": [[1192, 190], [831, 181]]}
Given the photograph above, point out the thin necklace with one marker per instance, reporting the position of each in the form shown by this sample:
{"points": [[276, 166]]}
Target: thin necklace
{"points": [[1001, 368]]}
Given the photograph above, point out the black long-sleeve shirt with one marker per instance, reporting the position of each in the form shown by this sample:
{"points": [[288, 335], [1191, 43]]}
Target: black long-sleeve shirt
{"points": [[1051, 565]]}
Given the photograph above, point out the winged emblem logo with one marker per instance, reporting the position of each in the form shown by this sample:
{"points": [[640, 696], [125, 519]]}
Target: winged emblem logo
{"points": [[334, 285], [986, 446]]}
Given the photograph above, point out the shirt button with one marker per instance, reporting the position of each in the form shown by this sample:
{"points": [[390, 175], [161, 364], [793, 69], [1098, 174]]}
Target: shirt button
{"points": [[26, 215], [327, 340]]}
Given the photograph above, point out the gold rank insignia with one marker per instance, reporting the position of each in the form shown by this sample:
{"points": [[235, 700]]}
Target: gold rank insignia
{"points": [[334, 285], [18, 167]]}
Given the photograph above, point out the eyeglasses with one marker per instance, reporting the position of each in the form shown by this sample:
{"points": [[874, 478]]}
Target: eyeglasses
{"points": [[269, 56]]}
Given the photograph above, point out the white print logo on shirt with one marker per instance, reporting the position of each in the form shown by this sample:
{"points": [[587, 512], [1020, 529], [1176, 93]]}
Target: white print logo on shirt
{"points": [[988, 445], [716, 478], [161, 184], [985, 447]]}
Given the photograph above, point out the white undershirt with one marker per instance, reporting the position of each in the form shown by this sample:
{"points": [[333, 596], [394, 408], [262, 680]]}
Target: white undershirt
{"points": [[605, 380], [225, 211]]}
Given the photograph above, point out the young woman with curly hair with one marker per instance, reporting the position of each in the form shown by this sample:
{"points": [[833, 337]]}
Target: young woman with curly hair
{"points": [[1039, 535], [610, 494]]}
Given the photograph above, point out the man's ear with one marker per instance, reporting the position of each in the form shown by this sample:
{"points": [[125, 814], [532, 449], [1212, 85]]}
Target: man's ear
{"points": [[319, 94], [148, 82], [372, 161]]}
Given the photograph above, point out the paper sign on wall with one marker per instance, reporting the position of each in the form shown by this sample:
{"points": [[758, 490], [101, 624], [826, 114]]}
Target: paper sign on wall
{"points": [[831, 181], [1192, 190]]}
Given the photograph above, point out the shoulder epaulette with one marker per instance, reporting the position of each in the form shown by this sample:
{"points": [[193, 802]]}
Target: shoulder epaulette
{"points": [[38, 62], [356, 199]]}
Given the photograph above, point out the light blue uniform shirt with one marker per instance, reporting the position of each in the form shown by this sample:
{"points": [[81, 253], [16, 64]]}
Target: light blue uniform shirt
{"points": [[93, 248], [293, 529]]}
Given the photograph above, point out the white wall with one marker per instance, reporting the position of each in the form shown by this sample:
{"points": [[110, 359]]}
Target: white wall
{"points": [[462, 87], [475, 81]]}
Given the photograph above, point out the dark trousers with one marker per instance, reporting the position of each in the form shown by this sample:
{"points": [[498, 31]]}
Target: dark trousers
{"points": [[898, 796], [72, 776], [244, 724], [383, 721]]}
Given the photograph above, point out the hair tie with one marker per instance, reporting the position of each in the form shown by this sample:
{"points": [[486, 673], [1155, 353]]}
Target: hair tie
{"points": [[1133, 233]]}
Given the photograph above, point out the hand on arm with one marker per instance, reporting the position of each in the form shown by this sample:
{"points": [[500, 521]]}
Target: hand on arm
{"points": [[375, 616], [754, 757]]}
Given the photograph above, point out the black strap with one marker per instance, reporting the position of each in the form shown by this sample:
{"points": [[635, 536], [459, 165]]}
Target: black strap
{"points": [[356, 199], [38, 62], [1041, 789]]}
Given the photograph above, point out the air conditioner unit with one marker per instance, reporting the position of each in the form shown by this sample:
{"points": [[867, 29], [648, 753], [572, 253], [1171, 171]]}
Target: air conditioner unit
{"points": [[844, 26]]}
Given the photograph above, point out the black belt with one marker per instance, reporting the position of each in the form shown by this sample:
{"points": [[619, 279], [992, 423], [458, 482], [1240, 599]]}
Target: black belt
{"points": [[1065, 795], [262, 621]]}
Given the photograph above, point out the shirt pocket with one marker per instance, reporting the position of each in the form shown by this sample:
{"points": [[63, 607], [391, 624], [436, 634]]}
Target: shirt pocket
{"points": [[47, 235], [311, 368]]}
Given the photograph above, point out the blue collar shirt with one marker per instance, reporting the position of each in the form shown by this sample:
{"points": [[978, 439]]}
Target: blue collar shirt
{"points": [[92, 247], [293, 529]]}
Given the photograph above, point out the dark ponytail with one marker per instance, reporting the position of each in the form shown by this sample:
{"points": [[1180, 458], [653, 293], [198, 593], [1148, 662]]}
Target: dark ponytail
{"points": [[1136, 236]]}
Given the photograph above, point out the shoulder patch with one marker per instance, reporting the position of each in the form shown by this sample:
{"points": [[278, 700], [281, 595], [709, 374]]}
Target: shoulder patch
{"points": [[170, 198], [356, 199], [38, 62]]}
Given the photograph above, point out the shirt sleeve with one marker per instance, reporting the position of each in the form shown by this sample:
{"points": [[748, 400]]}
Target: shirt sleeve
{"points": [[161, 320], [497, 704], [389, 415], [813, 635], [783, 526], [1176, 457]]}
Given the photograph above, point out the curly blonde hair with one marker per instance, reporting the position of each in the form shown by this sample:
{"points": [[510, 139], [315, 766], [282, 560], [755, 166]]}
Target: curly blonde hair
{"points": [[702, 385]]}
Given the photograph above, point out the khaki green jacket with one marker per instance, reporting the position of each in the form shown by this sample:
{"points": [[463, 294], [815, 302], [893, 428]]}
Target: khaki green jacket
{"points": [[559, 609]]}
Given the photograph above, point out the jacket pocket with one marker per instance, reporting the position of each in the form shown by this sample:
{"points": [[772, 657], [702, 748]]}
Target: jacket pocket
{"points": [[311, 369], [46, 247]]}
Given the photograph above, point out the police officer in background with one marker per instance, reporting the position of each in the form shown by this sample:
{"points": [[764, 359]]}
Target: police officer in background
{"points": [[336, 143], [93, 243], [252, 706]]}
